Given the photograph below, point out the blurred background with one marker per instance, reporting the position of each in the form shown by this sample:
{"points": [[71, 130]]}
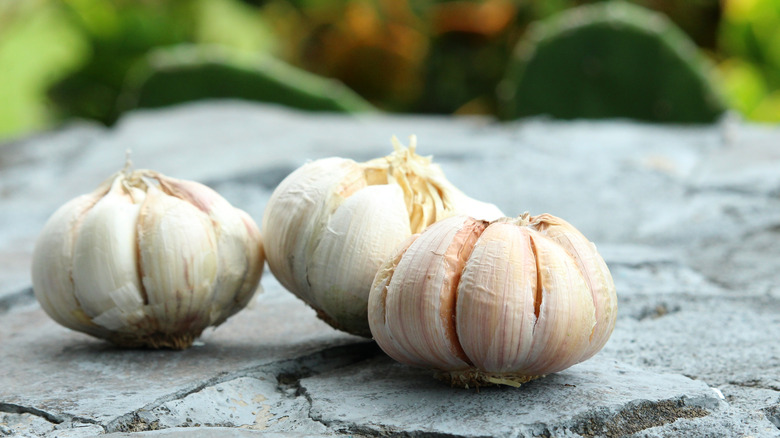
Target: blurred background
{"points": [[662, 61]]}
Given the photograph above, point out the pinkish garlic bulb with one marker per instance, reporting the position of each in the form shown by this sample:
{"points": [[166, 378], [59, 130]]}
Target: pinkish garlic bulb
{"points": [[500, 302]]}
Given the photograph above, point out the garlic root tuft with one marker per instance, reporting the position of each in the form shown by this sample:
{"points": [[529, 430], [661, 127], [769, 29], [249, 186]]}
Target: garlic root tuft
{"points": [[474, 378]]}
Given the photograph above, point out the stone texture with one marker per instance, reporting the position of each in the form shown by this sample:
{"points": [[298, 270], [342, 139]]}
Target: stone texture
{"points": [[211, 432], [598, 397], [77, 377], [34, 425], [688, 219], [241, 402]]}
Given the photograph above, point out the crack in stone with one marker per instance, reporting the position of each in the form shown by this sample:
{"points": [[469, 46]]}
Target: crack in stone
{"points": [[773, 415], [11, 408], [374, 430], [389, 432], [288, 373], [754, 383], [603, 422], [290, 384], [625, 420]]}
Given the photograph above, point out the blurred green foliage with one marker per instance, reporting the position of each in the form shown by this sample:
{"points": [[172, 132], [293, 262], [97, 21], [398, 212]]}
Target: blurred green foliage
{"points": [[121, 33], [185, 73], [81, 58], [38, 45], [749, 42], [609, 60]]}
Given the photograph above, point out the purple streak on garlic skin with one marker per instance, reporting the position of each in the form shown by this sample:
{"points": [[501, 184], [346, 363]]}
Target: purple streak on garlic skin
{"points": [[239, 245], [178, 260]]}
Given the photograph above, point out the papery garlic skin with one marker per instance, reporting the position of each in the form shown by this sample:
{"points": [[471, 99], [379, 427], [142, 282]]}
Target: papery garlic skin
{"points": [[331, 223], [147, 261], [499, 302]]}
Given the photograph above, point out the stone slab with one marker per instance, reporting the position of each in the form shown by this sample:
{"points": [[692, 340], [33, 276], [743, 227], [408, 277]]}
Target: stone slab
{"points": [[597, 397], [686, 217], [254, 403], [212, 432], [68, 375], [726, 423]]}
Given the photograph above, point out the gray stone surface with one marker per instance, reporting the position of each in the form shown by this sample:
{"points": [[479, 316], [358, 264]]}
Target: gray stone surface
{"points": [[688, 219], [600, 397], [211, 432], [117, 388]]}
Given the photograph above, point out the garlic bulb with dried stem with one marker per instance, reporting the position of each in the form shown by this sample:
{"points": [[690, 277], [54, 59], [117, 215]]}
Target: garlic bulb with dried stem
{"points": [[331, 223], [147, 261], [499, 302]]}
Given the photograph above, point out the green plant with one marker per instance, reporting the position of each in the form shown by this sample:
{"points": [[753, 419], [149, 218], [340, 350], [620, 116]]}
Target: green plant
{"points": [[180, 74], [608, 60], [749, 41]]}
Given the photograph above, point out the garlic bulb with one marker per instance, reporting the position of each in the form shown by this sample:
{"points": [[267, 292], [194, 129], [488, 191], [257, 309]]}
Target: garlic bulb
{"points": [[146, 260], [331, 223], [499, 302]]}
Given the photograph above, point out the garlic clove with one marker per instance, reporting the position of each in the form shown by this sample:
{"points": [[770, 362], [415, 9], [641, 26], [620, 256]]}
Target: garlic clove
{"points": [[238, 244], [594, 270], [295, 211], [350, 238], [178, 261], [377, 305], [566, 315], [51, 270], [497, 300], [425, 327], [105, 262], [253, 248]]}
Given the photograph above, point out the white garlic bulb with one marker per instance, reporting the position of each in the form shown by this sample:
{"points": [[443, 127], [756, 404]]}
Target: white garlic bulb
{"points": [[331, 223], [499, 302], [147, 260]]}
